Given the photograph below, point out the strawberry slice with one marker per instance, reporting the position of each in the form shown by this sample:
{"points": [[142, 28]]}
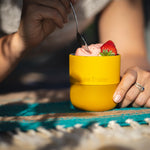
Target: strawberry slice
{"points": [[108, 49]]}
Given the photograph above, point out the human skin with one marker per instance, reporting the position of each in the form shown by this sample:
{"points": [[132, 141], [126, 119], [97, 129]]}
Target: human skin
{"points": [[39, 19], [123, 23]]}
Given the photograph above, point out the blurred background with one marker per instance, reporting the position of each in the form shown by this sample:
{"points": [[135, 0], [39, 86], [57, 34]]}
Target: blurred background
{"points": [[48, 69]]}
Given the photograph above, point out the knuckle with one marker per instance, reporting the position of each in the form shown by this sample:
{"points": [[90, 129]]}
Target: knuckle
{"points": [[131, 76], [59, 5], [55, 14], [57, 18], [135, 68], [129, 97], [132, 69], [122, 90], [128, 70]]}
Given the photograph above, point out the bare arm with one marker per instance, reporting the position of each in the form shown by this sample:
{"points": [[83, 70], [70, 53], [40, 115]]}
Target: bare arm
{"points": [[39, 19], [122, 22], [11, 51]]}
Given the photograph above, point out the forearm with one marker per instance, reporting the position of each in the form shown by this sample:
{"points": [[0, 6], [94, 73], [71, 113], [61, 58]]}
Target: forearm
{"points": [[123, 23], [11, 51], [128, 61]]}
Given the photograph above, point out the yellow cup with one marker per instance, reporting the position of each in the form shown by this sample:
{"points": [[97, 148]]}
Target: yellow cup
{"points": [[93, 81]]}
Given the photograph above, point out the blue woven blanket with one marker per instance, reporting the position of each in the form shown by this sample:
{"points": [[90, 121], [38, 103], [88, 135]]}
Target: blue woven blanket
{"points": [[49, 115]]}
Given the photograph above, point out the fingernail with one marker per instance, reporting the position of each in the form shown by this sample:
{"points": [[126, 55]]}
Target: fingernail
{"points": [[116, 98]]}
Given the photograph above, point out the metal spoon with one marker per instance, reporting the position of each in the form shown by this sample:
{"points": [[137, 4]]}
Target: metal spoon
{"points": [[80, 38]]}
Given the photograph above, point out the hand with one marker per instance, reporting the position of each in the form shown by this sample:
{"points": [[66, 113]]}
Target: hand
{"points": [[128, 93], [40, 18]]}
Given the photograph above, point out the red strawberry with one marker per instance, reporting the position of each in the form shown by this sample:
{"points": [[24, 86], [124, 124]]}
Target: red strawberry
{"points": [[108, 49]]}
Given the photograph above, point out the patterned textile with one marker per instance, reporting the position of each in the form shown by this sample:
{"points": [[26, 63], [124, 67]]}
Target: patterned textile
{"points": [[31, 115], [45, 119]]}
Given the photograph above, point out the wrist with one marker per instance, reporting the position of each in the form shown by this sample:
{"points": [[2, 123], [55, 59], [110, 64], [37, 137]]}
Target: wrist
{"points": [[18, 46], [12, 50]]}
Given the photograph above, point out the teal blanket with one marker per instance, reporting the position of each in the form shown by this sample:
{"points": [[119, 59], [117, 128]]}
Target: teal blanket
{"points": [[50, 115]]}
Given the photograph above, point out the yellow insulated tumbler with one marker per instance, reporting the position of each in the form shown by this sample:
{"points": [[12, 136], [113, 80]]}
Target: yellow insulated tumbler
{"points": [[93, 81]]}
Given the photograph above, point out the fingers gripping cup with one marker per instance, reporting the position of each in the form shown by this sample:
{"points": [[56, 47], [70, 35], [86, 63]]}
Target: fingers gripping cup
{"points": [[93, 81]]}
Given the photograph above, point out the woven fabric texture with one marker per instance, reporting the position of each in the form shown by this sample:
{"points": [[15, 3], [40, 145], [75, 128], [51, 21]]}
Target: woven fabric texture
{"points": [[50, 115]]}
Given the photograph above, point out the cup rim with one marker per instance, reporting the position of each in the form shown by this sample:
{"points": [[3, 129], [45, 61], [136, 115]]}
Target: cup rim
{"points": [[73, 54]]}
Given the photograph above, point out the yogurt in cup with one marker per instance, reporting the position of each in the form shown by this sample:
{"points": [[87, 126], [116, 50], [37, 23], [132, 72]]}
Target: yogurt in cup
{"points": [[93, 79]]}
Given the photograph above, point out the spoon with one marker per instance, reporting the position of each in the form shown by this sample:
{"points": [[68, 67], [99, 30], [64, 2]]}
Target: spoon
{"points": [[80, 38]]}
